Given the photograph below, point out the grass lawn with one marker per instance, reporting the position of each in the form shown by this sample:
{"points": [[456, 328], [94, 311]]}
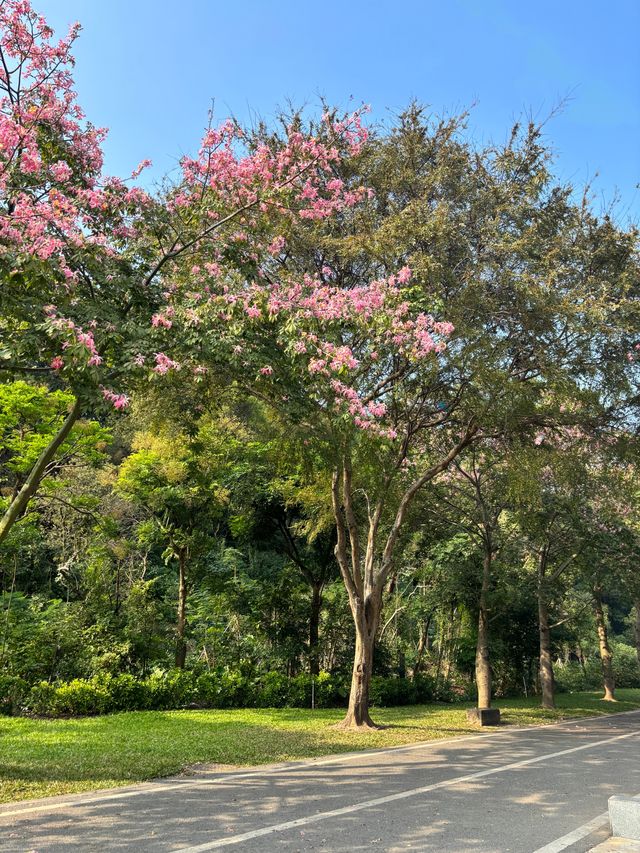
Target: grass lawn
{"points": [[44, 757]]}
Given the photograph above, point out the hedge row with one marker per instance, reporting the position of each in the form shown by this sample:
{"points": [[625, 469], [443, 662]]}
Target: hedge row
{"points": [[106, 694]]}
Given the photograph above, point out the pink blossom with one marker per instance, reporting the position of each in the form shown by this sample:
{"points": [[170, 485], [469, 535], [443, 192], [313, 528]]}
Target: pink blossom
{"points": [[164, 364], [119, 401], [57, 363], [404, 275], [140, 167], [61, 171], [276, 246], [160, 320]]}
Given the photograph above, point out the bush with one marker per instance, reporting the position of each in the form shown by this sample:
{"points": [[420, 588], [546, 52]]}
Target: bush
{"points": [[571, 677], [272, 691], [164, 691], [12, 693], [626, 669], [392, 691], [224, 689]]}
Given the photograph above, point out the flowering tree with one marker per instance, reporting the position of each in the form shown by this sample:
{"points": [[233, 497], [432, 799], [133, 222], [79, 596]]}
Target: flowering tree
{"points": [[87, 260], [355, 374]]}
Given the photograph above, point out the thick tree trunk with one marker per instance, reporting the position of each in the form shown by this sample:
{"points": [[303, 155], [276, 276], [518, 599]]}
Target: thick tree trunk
{"points": [[181, 646], [483, 665], [605, 650], [19, 504], [547, 681], [366, 619], [637, 604], [314, 626]]}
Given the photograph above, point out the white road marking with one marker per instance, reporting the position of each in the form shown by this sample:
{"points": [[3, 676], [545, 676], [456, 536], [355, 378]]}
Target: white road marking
{"points": [[302, 764], [391, 798], [578, 834]]}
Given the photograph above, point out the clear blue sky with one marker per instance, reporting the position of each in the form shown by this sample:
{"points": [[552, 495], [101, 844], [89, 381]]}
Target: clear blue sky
{"points": [[148, 70]]}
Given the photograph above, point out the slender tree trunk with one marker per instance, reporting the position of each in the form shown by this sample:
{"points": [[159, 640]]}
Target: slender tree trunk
{"points": [[422, 646], [637, 604], [314, 625], [547, 682], [366, 619], [181, 646], [605, 650], [483, 665], [19, 504]]}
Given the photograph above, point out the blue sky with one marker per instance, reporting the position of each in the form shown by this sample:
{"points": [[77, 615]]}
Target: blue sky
{"points": [[148, 69]]}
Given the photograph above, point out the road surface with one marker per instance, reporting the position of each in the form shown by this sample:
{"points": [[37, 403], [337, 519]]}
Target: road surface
{"points": [[513, 791]]}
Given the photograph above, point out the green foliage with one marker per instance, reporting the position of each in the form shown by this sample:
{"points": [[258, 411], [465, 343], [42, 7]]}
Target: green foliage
{"points": [[29, 417], [573, 676], [104, 694]]}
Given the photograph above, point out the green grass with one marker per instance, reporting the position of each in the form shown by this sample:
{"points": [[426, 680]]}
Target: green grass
{"points": [[45, 757]]}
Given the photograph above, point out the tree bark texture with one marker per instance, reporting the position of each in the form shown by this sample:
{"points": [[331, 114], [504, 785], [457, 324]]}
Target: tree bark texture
{"points": [[181, 645], [483, 664], [605, 650], [637, 604], [547, 681], [314, 628]]}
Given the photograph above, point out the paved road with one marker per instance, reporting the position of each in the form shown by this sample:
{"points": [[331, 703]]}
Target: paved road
{"points": [[513, 791]]}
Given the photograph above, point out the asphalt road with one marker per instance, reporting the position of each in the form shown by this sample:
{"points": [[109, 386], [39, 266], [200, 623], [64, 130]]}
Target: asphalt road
{"points": [[517, 791]]}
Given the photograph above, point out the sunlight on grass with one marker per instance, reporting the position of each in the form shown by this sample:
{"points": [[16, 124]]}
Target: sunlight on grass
{"points": [[45, 757]]}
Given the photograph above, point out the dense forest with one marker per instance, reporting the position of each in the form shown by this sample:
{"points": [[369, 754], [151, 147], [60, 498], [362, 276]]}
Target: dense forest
{"points": [[346, 413]]}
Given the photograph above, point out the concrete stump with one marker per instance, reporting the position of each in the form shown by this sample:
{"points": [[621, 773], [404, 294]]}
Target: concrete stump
{"points": [[624, 815], [484, 716]]}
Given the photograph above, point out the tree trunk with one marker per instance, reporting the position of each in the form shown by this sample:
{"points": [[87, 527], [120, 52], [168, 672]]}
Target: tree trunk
{"points": [[181, 646], [483, 665], [637, 603], [19, 504], [366, 620], [605, 650], [547, 681], [423, 643], [314, 625]]}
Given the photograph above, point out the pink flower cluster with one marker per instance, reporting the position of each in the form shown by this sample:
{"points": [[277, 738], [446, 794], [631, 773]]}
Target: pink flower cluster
{"points": [[118, 401], [74, 337], [164, 364], [49, 210], [364, 415], [244, 175]]}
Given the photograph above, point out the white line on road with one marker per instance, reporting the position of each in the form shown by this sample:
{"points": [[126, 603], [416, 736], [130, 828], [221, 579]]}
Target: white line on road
{"points": [[402, 795], [578, 834]]}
